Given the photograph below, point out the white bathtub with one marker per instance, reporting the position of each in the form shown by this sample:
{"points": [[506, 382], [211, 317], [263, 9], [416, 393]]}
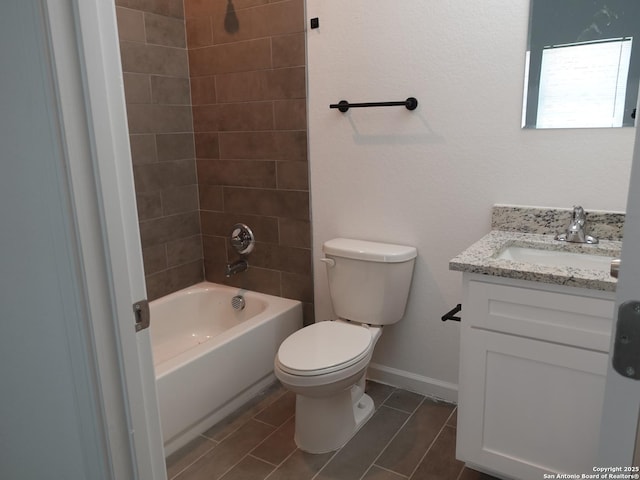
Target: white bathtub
{"points": [[209, 358]]}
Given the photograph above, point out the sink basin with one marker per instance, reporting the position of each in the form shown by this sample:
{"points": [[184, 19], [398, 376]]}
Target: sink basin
{"points": [[556, 258]]}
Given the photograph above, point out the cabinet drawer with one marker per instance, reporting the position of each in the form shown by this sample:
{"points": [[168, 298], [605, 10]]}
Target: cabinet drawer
{"points": [[575, 320]]}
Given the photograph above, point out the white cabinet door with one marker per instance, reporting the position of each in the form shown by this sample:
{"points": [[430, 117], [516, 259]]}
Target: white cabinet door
{"points": [[529, 407]]}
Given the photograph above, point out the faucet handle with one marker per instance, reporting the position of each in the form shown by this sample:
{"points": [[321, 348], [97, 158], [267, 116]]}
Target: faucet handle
{"points": [[242, 239], [578, 214]]}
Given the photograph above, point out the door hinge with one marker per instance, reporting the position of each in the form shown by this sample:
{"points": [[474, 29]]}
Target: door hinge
{"points": [[142, 314]]}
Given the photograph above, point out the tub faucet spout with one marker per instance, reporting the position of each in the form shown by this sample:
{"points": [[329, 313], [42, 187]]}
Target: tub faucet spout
{"points": [[236, 267]]}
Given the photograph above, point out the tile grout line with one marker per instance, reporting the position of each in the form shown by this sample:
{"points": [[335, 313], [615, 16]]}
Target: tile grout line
{"points": [[250, 418], [248, 454], [215, 444], [393, 437], [327, 462], [269, 436], [444, 425]]}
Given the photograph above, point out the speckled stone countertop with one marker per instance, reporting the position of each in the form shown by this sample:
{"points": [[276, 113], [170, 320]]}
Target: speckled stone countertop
{"points": [[481, 257]]}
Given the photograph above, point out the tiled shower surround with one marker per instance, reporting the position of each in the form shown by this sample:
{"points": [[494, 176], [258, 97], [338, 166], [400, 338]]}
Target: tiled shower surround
{"points": [[216, 100]]}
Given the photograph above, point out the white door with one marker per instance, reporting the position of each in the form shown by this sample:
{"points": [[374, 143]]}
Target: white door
{"points": [[78, 392], [622, 395]]}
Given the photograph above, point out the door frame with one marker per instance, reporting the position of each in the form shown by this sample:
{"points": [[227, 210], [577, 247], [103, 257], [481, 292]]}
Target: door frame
{"points": [[87, 73], [619, 431]]}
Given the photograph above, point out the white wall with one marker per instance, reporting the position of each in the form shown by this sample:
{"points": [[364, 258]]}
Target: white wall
{"points": [[428, 178]]}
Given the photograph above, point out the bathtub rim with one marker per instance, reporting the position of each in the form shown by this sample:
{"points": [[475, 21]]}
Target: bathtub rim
{"points": [[274, 306]]}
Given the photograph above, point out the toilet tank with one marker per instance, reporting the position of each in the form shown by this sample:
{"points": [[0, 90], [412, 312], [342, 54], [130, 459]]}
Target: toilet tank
{"points": [[369, 281]]}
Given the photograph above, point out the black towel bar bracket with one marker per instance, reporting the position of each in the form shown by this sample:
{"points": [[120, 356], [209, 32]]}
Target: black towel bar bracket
{"points": [[450, 315], [410, 103]]}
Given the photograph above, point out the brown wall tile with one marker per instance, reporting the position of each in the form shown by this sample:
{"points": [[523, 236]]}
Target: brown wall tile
{"points": [[279, 18], [203, 90], [233, 117], [290, 114], [293, 175], [157, 87], [275, 203], [143, 149], [211, 197], [199, 32], [180, 200], [170, 8], [130, 24], [159, 118], [149, 205], [294, 233], [248, 92], [207, 145], [154, 59], [162, 175], [173, 279], [184, 250], [175, 146], [166, 229], [162, 30], [137, 88], [240, 173], [241, 87], [154, 259], [170, 90], [231, 57], [288, 50]]}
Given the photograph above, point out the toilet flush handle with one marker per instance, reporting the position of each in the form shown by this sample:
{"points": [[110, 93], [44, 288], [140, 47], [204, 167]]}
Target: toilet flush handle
{"points": [[329, 261]]}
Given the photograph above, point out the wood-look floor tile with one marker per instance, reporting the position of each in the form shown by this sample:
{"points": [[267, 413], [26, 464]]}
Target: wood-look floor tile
{"points": [[440, 462], [234, 421], [377, 473], [277, 446], [228, 453], [249, 468], [406, 450], [404, 400], [300, 466], [181, 459], [355, 458]]}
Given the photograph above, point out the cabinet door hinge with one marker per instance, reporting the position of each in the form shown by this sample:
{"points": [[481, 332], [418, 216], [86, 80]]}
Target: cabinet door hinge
{"points": [[142, 314]]}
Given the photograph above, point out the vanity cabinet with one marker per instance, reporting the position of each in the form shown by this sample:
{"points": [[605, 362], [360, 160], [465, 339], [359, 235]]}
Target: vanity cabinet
{"points": [[532, 376]]}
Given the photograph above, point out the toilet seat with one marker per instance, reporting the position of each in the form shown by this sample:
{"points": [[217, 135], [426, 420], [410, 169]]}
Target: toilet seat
{"points": [[325, 347]]}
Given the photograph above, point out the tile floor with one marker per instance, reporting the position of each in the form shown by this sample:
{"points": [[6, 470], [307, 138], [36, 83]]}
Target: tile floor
{"points": [[408, 437]]}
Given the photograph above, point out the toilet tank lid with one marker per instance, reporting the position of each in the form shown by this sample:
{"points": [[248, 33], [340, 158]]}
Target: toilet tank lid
{"points": [[369, 251]]}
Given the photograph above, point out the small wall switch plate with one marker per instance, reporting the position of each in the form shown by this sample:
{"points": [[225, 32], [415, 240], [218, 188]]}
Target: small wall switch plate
{"points": [[315, 22]]}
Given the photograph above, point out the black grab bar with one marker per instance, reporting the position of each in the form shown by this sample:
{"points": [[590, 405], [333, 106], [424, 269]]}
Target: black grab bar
{"points": [[410, 103]]}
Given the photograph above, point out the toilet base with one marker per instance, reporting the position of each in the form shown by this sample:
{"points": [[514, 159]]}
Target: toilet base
{"points": [[326, 424]]}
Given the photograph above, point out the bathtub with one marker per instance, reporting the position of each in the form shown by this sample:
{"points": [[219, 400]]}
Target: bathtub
{"points": [[210, 359]]}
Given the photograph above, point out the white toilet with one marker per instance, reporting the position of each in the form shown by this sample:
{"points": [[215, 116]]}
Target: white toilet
{"points": [[325, 363]]}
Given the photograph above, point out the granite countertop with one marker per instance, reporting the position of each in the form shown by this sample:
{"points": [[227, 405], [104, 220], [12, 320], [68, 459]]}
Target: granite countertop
{"points": [[481, 258], [524, 226]]}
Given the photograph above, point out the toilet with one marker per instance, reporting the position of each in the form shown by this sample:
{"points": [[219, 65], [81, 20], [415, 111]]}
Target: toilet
{"points": [[325, 363]]}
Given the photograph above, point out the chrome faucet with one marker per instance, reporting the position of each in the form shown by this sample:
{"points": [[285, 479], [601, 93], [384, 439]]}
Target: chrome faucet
{"points": [[575, 232], [236, 267]]}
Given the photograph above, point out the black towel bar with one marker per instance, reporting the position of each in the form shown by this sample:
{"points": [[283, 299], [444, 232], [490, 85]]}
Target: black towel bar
{"points": [[450, 315], [410, 103]]}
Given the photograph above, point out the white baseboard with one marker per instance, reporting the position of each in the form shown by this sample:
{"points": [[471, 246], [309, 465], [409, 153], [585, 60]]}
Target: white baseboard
{"points": [[427, 386]]}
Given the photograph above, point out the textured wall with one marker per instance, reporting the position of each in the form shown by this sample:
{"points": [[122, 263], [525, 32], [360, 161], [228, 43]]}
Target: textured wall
{"points": [[248, 82], [156, 80], [429, 178]]}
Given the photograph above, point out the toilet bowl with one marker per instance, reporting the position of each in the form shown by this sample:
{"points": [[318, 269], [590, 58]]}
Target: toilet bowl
{"points": [[325, 363]]}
